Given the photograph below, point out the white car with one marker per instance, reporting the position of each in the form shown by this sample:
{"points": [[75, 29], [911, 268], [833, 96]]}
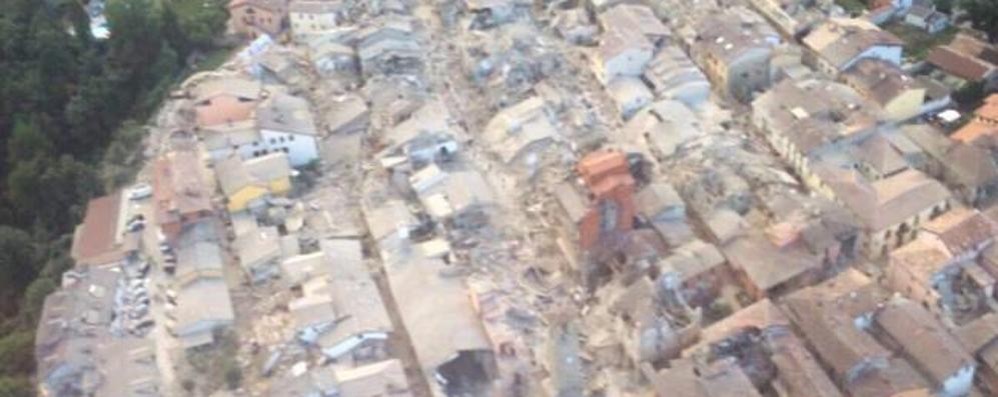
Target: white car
{"points": [[140, 191]]}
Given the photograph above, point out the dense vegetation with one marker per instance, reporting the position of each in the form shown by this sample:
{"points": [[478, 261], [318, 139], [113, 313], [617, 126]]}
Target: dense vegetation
{"points": [[982, 14], [71, 110]]}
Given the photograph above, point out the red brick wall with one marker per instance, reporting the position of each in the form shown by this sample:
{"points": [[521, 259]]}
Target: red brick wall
{"points": [[608, 178]]}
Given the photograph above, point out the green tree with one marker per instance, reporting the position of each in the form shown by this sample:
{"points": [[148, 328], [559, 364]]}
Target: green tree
{"points": [[945, 6], [27, 142], [18, 262], [135, 42], [16, 387], [34, 299], [17, 350], [983, 16], [174, 33], [52, 192], [203, 22], [970, 93]]}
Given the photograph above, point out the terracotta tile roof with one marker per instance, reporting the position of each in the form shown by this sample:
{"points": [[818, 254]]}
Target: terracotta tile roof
{"points": [[923, 338], [973, 46], [989, 109], [223, 110], [98, 234], [979, 333], [972, 166], [887, 202], [959, 64], [961, 229], [879, 80], [766, 265], [973, 131], [761, 314]]}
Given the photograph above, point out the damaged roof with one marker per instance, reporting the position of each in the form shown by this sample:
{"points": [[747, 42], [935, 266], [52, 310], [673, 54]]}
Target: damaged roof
{"points": [[923, 339], [437, 311], [886, 202], [842, 40], [766, 265], [962, 229], [287, 114], [880, 80]]}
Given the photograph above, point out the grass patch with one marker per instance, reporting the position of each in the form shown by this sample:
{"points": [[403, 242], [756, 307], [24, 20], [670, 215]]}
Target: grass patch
{"points": [[918, 42], [853, 7], [214, 367], [214, 58]]}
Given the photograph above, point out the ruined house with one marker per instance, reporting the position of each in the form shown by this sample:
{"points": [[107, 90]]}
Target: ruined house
{"points": [[734, 48], [836, 317], [77, 348], [978, 337], [455, 355], [840, 43], [759, 341], [654, 322], [918, 336], [698, 269], [598, 212], [523, 134], [180, 194]]}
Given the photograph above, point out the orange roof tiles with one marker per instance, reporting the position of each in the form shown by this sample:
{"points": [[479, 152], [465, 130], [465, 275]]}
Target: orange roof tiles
{"points": [[962, 229], [985, 122], [989, 109], [178, 188], [224, 109], [597, 165], [974, 131], [959, 64], [97, 235]]}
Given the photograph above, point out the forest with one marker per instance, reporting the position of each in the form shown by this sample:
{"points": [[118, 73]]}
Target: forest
{"points": [[72, 110]]}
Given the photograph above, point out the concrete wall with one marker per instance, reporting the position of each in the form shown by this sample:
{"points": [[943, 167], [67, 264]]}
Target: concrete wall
{"points": [[748, 74], [301, 148], [253, 21], [880, 241], [630, 63], [906, 105], [304, 23], [890, 54]]}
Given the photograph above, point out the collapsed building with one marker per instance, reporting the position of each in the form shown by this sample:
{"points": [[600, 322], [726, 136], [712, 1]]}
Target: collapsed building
{"points": [[390, 47], [83, 346], [485, 14], [598, 213], [759, 345], [652, 320], [838, 144], [524, 136], [942, 268], [454, 353], [734, 48], [876, 345]]}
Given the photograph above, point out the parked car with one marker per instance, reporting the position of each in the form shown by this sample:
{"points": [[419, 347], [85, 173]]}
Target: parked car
{"points": [[140, 191], [136, 225]]}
